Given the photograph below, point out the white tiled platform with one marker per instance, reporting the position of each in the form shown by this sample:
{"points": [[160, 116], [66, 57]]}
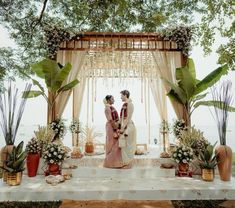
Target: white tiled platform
{"points": [[145, 181], [36, 189]]}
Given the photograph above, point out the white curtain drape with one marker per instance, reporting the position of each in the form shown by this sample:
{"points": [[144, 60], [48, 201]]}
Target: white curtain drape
{"points": [[166, 63], [78, 93], [76, 58]]}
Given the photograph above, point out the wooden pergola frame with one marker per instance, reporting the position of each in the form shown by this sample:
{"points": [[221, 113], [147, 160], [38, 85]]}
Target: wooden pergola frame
{"points": [[97, 41], [108, 41]]}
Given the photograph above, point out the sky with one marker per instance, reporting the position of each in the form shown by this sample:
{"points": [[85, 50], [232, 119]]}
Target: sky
{"points": [[36, 109]]}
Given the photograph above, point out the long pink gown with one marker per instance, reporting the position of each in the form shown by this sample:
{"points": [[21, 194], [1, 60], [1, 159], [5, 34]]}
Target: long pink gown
{"points": [[113, 158]]}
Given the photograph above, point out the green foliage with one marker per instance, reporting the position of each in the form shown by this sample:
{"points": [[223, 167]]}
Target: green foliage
{"points": [[188, 88], [16, 159], [11, 113], [222, 98], [26, 21], [207, 159], [195, 139], [54, 75]]}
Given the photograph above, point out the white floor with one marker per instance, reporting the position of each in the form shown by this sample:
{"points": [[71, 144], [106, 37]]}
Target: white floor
{"points": [[36, 189], [145, 181]]}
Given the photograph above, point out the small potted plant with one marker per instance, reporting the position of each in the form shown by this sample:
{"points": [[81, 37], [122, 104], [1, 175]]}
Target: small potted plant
{"points": [[54, 154], [33, 149], [182, 155], [89, 136], [15, 165], [194, 138], [207, 162]]}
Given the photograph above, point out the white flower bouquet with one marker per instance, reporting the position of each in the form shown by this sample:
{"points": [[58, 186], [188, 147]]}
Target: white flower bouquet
{"points": [[182, 154], [59, 129], [178, 126], [54, 153], [34, 146], [75, 126]]}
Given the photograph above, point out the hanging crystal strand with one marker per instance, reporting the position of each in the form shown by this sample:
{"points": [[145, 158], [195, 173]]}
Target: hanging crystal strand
{"points": [[149, 120], [92, 97], [88, 90], [95, 90], [145, 101], [141, 75]]}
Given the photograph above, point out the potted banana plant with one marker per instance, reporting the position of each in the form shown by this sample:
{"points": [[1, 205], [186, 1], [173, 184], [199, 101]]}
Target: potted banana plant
{"points": [[207, 162], [189, 91], [54, 75]]}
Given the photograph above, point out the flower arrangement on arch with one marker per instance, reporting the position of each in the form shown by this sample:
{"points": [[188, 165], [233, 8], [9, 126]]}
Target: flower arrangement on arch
{"points": [[55, 153], [34, 146], [75, 126], [182, 154], [178, 126], [59, 128]]}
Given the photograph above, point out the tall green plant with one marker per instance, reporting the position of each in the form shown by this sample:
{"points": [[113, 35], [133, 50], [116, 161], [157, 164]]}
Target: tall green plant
{"points": [[15, 160], [54, 75], [207, 158], [222, 99], [189, 91], [10, 113]]}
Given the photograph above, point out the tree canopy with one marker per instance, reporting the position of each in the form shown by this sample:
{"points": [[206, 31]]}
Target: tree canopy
{"points": [[26, 21]]}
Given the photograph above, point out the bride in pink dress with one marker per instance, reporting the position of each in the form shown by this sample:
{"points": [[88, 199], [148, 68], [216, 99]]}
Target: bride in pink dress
{"points": [[113, 157]]}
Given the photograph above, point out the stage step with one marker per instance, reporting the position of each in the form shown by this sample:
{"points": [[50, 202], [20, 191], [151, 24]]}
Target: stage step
{"points": [[98, 162], [133, 173]]}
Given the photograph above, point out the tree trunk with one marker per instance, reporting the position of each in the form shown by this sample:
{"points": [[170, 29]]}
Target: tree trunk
{"points": [[51, 111]]}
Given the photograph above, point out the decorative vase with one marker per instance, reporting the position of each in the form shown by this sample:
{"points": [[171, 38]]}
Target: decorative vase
{"points": [[89, 147], [54, 169], [4, 153], [14, 179], [183, 167], [208, 174], [32, 162], [224, 159]]}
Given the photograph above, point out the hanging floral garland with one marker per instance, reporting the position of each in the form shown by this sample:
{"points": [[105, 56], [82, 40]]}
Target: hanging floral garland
{"points": [[181, 35], [54, 36]]}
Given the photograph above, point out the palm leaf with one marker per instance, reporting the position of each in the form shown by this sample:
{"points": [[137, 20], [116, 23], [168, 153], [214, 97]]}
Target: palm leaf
{"points": [[47, 69], [211, 79], [217, 104], [180, 93], [68, 86], [31, 94], [187, 83], [62, 75]]}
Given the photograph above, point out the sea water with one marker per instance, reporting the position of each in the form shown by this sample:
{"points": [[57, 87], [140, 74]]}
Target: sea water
{"points": [[26, 132]]}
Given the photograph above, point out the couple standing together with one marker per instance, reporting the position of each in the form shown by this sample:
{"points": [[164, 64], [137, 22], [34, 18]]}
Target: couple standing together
{"points": [[120, 133]]}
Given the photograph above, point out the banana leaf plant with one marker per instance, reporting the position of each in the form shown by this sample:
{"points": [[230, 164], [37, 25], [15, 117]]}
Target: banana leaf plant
{"points": [[189, 91], [15, 160], [54, 75]]}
